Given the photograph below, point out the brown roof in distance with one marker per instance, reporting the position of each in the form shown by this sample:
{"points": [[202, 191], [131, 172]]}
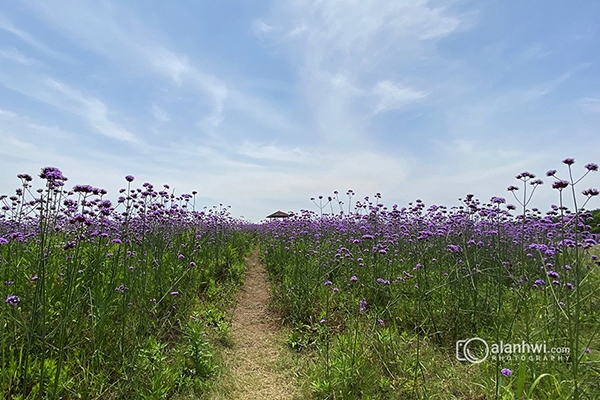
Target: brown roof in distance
{"points": [[278, 214]]}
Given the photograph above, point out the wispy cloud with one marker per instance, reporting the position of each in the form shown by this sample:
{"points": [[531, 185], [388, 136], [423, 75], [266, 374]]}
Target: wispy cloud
{"points": [[160, 114], [392, 96], [350, 56], [92, 109], [15, 55], [8, 26], [288, 100], [590, 104]]}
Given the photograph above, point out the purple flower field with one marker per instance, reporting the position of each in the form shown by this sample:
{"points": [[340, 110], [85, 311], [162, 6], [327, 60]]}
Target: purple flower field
{"points": [[105, 292], [362, 285], [95, 290]]}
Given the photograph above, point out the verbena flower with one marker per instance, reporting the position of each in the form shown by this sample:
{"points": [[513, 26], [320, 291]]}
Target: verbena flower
{"points": [[560, 184], [13, 300], [129, 178], [591, 167], [569, 161], [25, 177], [362, 305], [52, 174], [121, 289]]}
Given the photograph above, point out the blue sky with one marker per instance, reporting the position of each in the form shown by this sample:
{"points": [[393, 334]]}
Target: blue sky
{"points": [[262, 105]]}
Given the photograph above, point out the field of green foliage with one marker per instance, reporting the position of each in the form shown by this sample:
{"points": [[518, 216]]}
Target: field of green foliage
{"points": [[485, 300]]}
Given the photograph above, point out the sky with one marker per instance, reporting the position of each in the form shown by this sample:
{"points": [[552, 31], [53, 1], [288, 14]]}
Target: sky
{"points": [[261, 105]]}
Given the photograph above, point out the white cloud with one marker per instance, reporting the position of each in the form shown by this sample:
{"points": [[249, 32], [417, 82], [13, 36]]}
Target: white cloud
{"points": [[160, 114], [26, 37], [90, 108], [260, 27], [272, 152], [169, 63], [392, 96], [15, 55], [351, 55], [590, 104]]}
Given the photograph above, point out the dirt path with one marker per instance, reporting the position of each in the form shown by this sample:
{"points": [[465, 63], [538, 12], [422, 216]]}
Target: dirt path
{"points": [[256, 363]]}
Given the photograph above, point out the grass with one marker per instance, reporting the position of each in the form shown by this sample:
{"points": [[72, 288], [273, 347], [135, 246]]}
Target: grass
{"points": [[134, 300], [381, 298], [109, 303]]}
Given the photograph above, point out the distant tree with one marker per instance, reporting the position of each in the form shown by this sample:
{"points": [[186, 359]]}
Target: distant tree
{"points": [[595, 223]]}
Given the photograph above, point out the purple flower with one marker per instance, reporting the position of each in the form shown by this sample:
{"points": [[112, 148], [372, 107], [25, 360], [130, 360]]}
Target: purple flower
{"points": [[34, 278], [506, 372], [569, 161], [561, 184], [3, 241], [588, 350], [512, 188], [174, 293], [327, 283], [525, 175], [380, 321], [591, 167], [552, 172], [590, 192], [83, 189], [52, 174], [13, 300], [552, 274], [453, 248], [362, 305], [353, 278], [25, 177], [129, 178], [498, 200], [539, 282]]}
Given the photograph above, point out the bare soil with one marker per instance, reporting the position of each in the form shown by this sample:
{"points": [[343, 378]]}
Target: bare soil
{"points": [[258, 364]]}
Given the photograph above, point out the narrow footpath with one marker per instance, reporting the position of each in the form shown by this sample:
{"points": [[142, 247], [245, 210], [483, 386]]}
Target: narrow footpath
{"points": [[257, 364]]}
